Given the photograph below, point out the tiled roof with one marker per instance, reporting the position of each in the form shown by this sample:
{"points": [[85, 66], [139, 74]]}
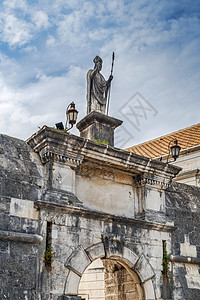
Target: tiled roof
{"points": [[187, 137]]}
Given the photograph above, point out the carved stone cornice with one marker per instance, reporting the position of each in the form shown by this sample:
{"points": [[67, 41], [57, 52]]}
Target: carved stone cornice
{"points": [[66, 148], [49, 153], [153, 180]]}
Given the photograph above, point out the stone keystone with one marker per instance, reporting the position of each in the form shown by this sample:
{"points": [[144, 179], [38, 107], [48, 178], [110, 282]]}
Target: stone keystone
{"points": [[96, 251]]}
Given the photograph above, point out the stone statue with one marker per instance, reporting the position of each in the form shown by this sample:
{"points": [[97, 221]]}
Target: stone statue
{"points": [[97, 88]]}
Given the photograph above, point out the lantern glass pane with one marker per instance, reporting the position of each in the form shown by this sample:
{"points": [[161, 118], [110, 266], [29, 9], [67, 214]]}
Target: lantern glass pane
{"points": [[173, 151], [71, 116], [75, 116]]}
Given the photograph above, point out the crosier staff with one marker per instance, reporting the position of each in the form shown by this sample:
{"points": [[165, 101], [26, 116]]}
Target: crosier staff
{"points": [[113, 58]]}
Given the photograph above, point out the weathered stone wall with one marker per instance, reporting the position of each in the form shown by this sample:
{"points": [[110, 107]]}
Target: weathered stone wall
{"points": [[21, 183], [87, 202], [183, 206]]}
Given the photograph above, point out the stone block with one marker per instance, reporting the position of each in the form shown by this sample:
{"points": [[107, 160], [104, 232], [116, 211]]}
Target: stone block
{"points": [[192, 277], [23, 209], [72, 283], [63, 178], [11, 188], [29, 191], [186, 249], [96, 251], [114, 248], [144, 269], [130, 257], [78, 261], [149, 290]]}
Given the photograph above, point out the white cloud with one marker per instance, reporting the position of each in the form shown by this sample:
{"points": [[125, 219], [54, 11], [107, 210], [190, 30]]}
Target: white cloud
{"points": [[15, 31], [157, 53], [40, 19], [11, 5]]}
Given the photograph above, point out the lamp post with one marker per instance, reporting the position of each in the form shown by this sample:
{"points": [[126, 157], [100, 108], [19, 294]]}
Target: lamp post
{"points": [[174, 149]]}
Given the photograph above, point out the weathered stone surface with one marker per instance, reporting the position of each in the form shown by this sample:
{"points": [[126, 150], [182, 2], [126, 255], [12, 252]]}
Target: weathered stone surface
{"points": [[20, 237], [98, 126], [79, 261], [72, 283], [105, 228], [96, 251], [23, 208], [130, 257], [113, 247], [144, 269], [149, 290]]}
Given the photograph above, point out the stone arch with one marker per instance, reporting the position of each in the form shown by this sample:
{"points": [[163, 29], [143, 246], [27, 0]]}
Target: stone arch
{"points": [[81, 258]]}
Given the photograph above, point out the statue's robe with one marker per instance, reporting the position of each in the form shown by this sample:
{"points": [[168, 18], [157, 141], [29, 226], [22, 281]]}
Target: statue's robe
{"points": [[97, 90]]}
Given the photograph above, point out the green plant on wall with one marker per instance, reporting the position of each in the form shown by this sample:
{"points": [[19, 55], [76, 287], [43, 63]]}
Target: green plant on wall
{"points": [[48, 257], [102, 142], [165, 261]]}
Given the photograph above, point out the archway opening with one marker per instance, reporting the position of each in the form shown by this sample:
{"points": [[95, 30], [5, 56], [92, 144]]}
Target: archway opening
{"points": [[110, 279]]}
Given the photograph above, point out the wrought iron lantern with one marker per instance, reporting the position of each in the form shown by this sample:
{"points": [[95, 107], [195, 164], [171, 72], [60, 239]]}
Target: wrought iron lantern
{"points": [[72, 114], [174, 149]]}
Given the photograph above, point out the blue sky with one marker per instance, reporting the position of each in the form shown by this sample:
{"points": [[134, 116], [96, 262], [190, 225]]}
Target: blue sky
{"points": [[47, 47]]}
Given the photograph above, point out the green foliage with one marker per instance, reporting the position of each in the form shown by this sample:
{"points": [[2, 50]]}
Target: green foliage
{"points": [[48, 257], [102, 142], [70, 202], [165, 264]]}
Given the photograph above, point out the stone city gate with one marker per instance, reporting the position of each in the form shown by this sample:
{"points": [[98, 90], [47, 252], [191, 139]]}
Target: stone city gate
{"points": [[98, 202], [67, 201]]}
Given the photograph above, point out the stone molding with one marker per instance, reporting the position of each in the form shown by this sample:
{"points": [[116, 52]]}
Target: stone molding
{"points": [[57, 213], [157, 181], [185, 259], [20, 237], [50, 153]]}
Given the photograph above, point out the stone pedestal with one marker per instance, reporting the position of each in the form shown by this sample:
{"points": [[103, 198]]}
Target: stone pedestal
{"points": [[98, 126]]}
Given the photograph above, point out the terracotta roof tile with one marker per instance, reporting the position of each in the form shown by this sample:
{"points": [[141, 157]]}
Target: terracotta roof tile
{"points": [[187, 137]]}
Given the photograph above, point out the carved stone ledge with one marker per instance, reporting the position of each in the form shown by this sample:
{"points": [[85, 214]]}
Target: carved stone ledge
{"points": [[61, 197], [155, 216], [20, 237], [50, 153], [185, 259], [143, 180]]}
